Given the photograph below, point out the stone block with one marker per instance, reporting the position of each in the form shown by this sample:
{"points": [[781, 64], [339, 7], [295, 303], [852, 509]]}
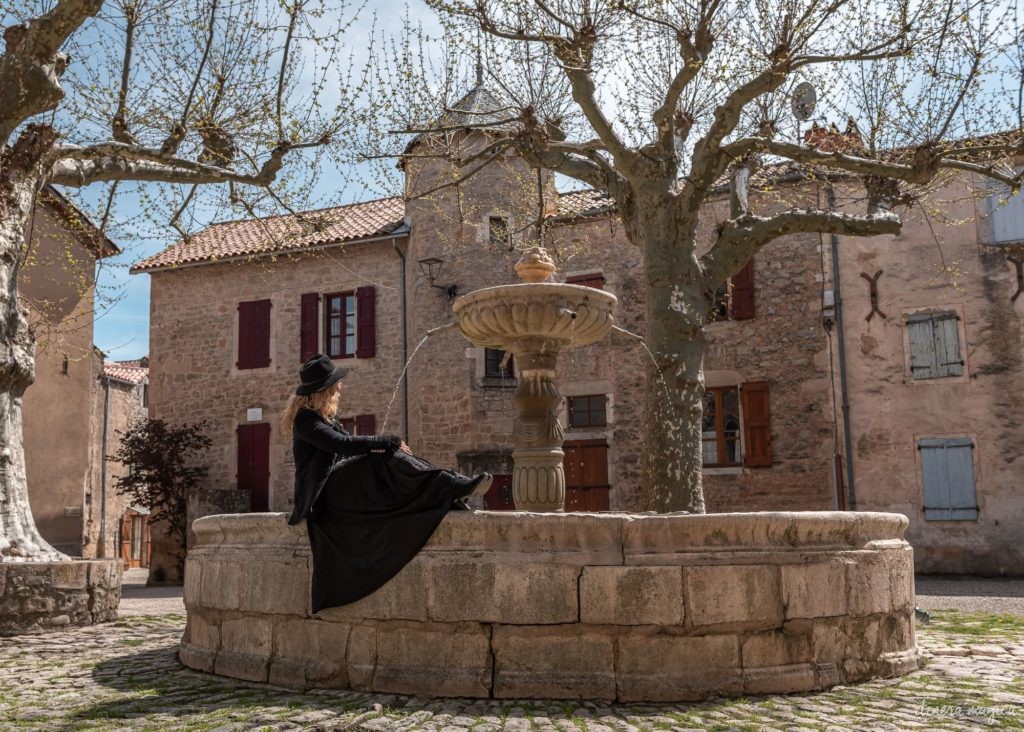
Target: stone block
{"points": [[193, 582], [560, 662], [776, 648], [434, 659], [249, 636], [780, 680], [241, 666], [403, 597], [868, 587], [319, 647], [896, 632], [3, 579], [202, 631], [514, 593], [900, 563], [663, 668], [220, 584], [105, 573], [199, 659], [829, 641], [362, 656], [814, 590], [639, 595], [37, 604], [733, 596], [69, 575], [267, 586]]}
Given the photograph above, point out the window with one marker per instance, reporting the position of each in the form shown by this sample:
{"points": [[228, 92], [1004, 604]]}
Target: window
{"points": [[734, 298], [1006, 216], [340, 331], [493, 358], [595, 280], [64, 366], [253, 334], [145, 395], [721, 427], [934, 345], [947, 474], [587, 411], [364, 425], [498, 232]]}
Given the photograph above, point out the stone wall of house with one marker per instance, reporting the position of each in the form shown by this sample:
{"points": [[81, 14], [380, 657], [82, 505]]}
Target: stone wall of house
{"points": [[123, 409], [944, 263], [57, 286]]}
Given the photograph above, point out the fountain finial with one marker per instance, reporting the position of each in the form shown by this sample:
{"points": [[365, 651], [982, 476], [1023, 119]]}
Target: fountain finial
{"points": [[535, 266]]}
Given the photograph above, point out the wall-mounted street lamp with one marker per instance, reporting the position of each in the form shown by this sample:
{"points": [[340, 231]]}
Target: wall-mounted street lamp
{"points": [[431, 268]]}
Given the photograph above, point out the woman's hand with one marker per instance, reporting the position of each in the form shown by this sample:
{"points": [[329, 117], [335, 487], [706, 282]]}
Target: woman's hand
{"points": [[405, 448]]}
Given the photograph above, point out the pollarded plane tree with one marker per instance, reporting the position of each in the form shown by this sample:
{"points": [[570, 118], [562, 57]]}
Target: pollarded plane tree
{"points": [[175, 107], [667, 103]]}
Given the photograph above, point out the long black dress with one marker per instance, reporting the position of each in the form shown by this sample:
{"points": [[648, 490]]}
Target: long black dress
{"points": [[372, 512]]}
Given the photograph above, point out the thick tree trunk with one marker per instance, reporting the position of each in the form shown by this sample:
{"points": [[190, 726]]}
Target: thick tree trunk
{"points": [[19, 180], [677, 307]]}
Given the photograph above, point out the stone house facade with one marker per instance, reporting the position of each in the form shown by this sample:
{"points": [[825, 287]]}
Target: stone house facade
{"points": [[236, 308], [63, 409]]}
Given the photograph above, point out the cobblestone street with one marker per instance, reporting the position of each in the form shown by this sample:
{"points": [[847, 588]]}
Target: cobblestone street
{"points": [[125, 676]]}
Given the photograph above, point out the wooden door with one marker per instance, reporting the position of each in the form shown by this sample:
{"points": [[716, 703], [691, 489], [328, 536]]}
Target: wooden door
{"points": [[254, 464], [125, 539], [586, 475], [499, 497]]}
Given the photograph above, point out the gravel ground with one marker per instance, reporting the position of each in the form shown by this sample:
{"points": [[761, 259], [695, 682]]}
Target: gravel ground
{"points": [[971, 594]]}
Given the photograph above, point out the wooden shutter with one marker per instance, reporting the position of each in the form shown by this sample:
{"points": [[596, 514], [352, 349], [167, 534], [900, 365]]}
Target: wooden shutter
{"points": [[499, 495], [595, 280], [1006, 219], [366, 425], [125, 538], [947, 472], [742, 302], [947, 345], [757, 429], [308, 331], [253, 334], [254, 464], [586, 475], [366, 325], [921, 333]]}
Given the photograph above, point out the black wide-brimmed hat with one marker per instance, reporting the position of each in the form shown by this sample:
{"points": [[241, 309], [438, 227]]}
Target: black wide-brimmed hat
{"points": [[317, 374]]}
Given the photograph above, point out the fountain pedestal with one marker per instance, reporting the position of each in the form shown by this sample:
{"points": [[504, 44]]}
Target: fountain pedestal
{"points": [[535, 321]]}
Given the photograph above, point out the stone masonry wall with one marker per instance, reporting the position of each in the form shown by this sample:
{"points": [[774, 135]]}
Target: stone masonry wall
{"points": [[47, 595]]}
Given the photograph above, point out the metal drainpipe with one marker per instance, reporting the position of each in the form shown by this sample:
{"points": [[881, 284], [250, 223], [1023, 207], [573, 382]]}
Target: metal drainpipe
{"points": [[405, 346], [102, 549], [844, 393]]}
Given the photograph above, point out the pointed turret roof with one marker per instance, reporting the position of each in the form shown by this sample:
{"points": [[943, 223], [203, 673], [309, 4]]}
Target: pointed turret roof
{"points": [[480, 108]]}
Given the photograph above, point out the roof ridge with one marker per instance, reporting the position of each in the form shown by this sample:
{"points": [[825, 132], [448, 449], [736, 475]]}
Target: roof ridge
{"points": [[297, 213]]}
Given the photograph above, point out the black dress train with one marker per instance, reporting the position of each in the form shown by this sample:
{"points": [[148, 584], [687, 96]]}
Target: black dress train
{"points": [[370, 514]]}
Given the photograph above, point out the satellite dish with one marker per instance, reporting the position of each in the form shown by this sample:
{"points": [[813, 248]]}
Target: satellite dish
{"points": [[804, 100]]}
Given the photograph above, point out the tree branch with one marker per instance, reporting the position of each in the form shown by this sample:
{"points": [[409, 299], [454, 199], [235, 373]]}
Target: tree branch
{"points": [[739, 239]]}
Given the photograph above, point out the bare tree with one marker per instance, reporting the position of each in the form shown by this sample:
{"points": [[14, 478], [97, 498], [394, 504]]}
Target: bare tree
{"points": [[668, 102], [235, 98]]}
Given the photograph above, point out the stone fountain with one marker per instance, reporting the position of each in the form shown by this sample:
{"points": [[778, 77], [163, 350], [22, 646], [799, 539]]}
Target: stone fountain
{"points": [[534, 321], [521, 604]]}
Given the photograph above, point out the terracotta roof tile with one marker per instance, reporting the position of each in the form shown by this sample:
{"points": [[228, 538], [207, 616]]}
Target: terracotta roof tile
{"points": [[282, 233], [125, 371], [586, 202]]}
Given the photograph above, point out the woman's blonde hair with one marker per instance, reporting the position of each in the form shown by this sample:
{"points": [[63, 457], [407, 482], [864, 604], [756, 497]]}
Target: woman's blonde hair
{"points": [[324, 403]]}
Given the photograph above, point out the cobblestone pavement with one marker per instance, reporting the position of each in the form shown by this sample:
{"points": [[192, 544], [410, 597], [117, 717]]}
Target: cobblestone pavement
{"points": [[979, 594], [125, 676]]}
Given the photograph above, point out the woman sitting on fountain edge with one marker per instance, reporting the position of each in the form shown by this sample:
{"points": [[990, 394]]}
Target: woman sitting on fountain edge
{"points": [[369, 504]]}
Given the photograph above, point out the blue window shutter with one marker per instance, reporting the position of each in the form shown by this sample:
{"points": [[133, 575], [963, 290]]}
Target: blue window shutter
{"points": [[947, 468], [947, 345], [1006, 220], [923, 363]]}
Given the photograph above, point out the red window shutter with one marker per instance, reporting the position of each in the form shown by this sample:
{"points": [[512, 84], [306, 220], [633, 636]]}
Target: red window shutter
{"points": [[757, 429], [366, 425], [308, 346], [366, 323], [588, 280], [743, 292], [253, 334], [254, 464]]}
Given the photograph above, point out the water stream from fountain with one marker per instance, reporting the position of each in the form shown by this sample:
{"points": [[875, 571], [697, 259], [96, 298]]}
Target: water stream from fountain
{"points": [[394, 394]]}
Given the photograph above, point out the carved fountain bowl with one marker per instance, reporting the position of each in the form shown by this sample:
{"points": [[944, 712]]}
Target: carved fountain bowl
{"points": [[497, 317]]}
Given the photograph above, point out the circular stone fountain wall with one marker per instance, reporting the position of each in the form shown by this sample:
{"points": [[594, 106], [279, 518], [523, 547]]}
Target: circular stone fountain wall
{"points": [[574, 606]]}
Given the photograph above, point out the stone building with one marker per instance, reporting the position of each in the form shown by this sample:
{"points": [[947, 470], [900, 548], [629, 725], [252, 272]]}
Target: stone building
{"points": [[63, 409], [237, 307]]}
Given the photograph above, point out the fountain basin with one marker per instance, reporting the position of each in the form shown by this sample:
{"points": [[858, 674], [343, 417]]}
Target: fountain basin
{"points": [[613, 606], [498, 317]]}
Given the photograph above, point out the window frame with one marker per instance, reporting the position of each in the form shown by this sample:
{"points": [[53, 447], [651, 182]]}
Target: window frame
{"points": [[590, 411], [343, 315], [505, 241], [720, 439], [943, 370], [508, 374]]}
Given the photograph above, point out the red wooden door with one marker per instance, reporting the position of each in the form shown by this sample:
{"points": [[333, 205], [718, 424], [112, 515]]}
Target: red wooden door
{"points": [[586, 475], [499, 497], [254, 464]]}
